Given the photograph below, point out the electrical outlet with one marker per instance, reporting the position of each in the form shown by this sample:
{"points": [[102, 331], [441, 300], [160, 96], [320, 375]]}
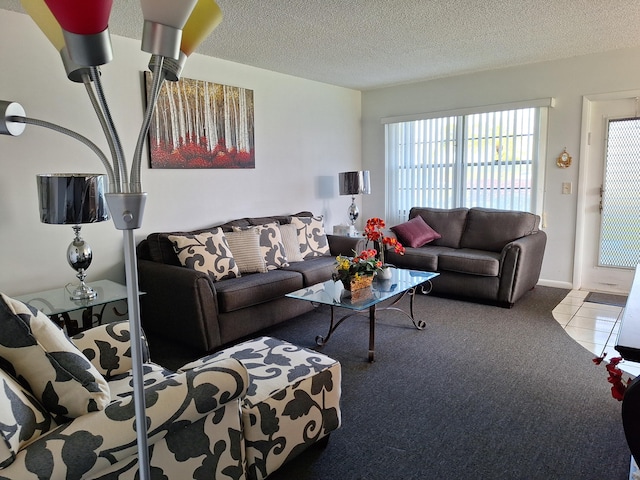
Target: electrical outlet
{"points": [[566, 188]]}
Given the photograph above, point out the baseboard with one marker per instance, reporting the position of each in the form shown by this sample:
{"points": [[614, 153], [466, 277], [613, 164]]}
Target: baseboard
{"points": [[555, 284]]}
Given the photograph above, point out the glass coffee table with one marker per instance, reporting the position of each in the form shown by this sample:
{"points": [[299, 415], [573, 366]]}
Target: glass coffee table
{"points": [[402, 283]]}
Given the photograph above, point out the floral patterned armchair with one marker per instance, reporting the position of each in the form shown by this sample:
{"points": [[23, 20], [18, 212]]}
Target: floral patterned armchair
{"points": [[194, 421], [67, 410]]}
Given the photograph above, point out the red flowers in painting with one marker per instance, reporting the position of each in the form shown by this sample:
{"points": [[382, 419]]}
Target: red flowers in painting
{"points": [[618, 384], [196, 154], [373, 231]]}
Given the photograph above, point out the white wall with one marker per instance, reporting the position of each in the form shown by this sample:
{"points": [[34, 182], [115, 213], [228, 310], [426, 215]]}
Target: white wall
{"points": [[566, 80], [305, 133]]}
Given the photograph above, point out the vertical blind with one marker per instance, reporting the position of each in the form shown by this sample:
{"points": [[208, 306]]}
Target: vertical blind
{"points": [[487, 159]]}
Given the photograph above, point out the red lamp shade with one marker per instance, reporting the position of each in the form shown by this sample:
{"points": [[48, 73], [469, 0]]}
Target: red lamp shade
{"points": [[83, 17], [85, 27]]}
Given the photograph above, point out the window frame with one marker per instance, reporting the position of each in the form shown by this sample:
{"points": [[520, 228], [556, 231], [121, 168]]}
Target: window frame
{"points": [[541, 107]]}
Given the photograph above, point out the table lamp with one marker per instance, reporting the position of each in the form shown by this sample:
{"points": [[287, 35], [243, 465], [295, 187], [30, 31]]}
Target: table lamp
{"points": [[74, 199], [354, 183]]}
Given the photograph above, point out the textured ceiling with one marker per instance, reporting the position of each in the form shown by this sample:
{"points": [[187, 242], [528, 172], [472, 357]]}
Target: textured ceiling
{"points": [[365, 44]]}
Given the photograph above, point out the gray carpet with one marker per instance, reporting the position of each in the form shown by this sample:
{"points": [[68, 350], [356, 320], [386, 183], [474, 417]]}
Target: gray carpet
{"points": [[606, 299], [482, 393]]}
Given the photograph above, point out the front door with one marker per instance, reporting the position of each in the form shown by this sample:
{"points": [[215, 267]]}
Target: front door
{"points": [[610, 202]]}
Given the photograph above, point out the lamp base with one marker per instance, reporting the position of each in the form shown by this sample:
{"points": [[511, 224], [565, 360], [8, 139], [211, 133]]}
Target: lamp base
{"points": [[353, 213], [79, 256], [83, 292]]}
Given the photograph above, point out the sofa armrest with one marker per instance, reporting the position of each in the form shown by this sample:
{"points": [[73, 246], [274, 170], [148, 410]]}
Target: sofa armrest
{"points": [[108, 347], [343, 245], [93, 442], [521, 266], [179, 303]]}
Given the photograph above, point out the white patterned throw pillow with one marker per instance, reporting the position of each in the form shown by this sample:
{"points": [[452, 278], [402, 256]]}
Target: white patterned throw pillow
{"points": [[311, 236], [39, 355], [245, 246], [207, 252]]}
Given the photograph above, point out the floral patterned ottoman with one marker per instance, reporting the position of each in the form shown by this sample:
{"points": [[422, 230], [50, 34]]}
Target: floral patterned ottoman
{"points": [[293, 400]]}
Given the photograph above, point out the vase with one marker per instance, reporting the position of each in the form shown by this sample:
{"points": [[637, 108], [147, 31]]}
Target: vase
{"points": [[357, 283], [385, 273]]}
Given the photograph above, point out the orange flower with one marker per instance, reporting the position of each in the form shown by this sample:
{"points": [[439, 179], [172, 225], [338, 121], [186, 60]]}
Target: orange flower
{"points": [[373, 231]]}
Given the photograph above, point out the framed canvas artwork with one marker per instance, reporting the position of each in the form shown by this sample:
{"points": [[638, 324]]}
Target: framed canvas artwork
{"points": [[198, 124]]}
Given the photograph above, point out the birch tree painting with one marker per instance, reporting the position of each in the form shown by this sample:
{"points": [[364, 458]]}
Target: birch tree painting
{"points": [[198, 124]]}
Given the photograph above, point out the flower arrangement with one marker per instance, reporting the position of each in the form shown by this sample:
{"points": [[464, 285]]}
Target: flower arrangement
{"points": [[373, 230], [365, 264], [618, 384]]}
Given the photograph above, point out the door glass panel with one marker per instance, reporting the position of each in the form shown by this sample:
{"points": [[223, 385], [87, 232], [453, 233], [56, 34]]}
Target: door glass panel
{"points": [[620, 229]]}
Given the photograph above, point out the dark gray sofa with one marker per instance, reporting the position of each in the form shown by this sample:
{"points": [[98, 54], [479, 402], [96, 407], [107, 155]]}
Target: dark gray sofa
{"points": [[186, 305], [492, 256]]}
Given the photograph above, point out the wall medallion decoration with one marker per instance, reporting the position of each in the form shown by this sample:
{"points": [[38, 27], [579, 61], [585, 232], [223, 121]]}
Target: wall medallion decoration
{"points": [[198, 124], [564, 160]]}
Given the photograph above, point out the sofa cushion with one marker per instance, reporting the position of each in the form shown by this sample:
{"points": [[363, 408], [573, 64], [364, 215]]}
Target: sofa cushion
{"points": [[474, 262], [22, 418], [290, 242], [207, 252], [314, 270], [422, 258], [491, 230], [311, 236], [415, 232], [245, 247], [449, 223], [38, 354], [256, 288]]}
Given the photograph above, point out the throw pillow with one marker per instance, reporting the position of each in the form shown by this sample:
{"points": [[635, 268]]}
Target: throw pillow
{"points": [[22, 418], [270, 245], [39, 355], [311, 236], [415, 233], [290, 242], [207, 252], [245, 247]]}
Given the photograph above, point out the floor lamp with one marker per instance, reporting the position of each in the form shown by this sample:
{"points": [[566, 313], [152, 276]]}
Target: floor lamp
{"points": [[78, 29]]}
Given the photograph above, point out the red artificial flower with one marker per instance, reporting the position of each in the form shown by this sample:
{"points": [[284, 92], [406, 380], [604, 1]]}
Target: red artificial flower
{"points": [[618, 384], [373, 231]]}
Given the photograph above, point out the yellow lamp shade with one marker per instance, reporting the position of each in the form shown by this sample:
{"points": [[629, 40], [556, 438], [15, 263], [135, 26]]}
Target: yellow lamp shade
{"points": [[45, 20], [206, 16]]}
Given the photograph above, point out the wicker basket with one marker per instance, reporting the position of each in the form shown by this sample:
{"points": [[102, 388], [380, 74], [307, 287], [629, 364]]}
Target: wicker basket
{"points": [[353, 283]]}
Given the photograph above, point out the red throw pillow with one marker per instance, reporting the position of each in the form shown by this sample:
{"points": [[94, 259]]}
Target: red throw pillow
{"points": [[415, 232]]}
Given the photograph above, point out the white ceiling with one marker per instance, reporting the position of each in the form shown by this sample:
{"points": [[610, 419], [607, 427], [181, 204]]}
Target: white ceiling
{"points": [[365, 44]]}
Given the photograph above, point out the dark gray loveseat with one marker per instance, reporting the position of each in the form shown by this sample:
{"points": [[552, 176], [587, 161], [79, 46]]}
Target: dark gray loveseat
{"points": [[186, 305], [493, 256]]}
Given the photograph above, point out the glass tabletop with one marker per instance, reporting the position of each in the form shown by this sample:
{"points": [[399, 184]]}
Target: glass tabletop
{"points": [[56, 301], [333, 293]]}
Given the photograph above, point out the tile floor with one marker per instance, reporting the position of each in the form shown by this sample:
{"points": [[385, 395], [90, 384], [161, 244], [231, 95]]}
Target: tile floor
{"points": [[593, 325]]}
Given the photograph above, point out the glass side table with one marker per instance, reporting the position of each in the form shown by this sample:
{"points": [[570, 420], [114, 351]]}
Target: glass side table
{"points": [[57, 305]]}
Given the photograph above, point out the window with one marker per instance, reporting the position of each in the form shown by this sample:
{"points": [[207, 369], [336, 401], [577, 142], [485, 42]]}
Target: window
{"points": [[488, 159]]}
